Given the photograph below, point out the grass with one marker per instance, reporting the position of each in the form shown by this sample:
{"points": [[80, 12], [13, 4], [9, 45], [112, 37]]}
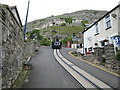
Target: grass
{"points": [[20, 79], [67, 30]]}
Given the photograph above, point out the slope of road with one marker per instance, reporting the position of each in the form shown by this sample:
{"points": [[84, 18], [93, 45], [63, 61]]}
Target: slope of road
{"points": [[106, 77], [48, 73]]}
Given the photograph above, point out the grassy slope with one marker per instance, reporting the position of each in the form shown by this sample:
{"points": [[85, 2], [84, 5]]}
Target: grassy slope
{"points": [[67, 30]]}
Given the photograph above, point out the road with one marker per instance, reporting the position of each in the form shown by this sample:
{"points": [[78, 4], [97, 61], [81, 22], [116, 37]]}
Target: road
{"points": [[104, 76], [48, 73]]}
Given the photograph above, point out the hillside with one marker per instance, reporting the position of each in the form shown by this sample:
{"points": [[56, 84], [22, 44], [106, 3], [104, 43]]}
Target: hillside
{"points": [[53, 23], [62, 31], [89, 15]]}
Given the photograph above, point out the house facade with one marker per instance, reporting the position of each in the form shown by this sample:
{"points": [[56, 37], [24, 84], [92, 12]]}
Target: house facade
{"points": [[104, 31]]}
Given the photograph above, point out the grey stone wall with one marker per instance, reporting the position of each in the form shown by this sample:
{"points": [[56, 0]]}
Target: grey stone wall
{"points": [[13, 51], [109, 52], [12, 47], [29, 49], [109, 55], [0, 51], [98, 52]]}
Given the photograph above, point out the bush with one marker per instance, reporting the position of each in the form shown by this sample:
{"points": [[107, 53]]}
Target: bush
{"points": [[63, 24], [64, 41], [45, 42]]}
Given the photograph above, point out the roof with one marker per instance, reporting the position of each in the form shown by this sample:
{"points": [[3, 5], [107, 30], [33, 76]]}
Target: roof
{"points": [[14, 7], [101, 18]]}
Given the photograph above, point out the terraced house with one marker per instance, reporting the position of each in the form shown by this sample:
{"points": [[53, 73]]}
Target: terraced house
{"points": [[105, 31]]}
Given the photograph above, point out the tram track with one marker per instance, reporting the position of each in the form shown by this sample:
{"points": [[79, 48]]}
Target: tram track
{"points": [[86, 80]]}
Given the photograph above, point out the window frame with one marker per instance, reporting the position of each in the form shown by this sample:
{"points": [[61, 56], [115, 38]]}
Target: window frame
{"points": [[96, 29], [108, 23]]}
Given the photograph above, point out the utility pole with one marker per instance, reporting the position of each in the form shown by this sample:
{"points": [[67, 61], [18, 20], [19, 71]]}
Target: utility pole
{"points": [[26, 20]]}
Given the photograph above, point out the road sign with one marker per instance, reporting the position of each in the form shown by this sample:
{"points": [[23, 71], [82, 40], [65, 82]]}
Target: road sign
{"points": [[117, 40]]}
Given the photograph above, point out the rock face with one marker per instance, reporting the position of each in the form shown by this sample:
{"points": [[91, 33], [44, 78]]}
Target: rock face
{"points": [[12, 47]]}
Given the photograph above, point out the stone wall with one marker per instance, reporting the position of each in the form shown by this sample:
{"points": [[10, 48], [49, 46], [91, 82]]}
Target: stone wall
{"points": [[104, 56], [109, 52], [13, 51], [98, 52], [0, 52], [29, 49], [12, 45], [109, 55]]}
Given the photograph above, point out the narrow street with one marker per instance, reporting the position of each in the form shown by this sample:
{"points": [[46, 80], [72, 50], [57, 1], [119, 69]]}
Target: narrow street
{"points": [[48, 73], [66, 44]]}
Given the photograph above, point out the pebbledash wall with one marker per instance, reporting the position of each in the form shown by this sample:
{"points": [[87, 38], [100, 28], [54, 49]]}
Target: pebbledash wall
{"points": [[13, 50]]}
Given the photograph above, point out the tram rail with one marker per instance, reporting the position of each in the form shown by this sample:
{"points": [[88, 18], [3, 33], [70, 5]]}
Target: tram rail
{"points": [[86, 80]]}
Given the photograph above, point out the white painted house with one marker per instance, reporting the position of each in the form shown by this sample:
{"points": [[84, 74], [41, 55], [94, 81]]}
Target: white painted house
{"points": [[104, 31]]}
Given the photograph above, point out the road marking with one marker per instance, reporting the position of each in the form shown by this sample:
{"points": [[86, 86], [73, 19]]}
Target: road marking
{"points": [[80, 79], [95, 65], [86, 75]]}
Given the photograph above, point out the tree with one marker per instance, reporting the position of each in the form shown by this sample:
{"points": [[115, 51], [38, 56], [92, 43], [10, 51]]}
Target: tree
{"points": [[45, 42], [68, 20], [66, 39], [63, 24], [84, 22], [35, 33]]}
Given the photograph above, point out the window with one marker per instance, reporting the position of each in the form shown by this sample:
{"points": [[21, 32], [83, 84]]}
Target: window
{"points": [[90, 49], [56, 43], [97, 29], [108, 22], [102, 43]]}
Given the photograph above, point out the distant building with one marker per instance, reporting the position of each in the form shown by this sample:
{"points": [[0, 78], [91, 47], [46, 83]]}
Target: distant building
{"points": [[104, 31]]}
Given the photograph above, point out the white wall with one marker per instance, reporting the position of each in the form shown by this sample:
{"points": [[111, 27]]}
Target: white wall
{"points": [[90, 38], [109, 33]]}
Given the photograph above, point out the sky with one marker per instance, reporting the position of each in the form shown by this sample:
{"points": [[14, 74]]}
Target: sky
{"points": [[44, 8]]}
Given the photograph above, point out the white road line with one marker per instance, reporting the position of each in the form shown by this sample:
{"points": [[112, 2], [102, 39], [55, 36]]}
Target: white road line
{"points": [[80, 79], [85, 74]]}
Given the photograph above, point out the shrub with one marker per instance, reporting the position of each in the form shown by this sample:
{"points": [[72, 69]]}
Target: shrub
{"points": [[63, 24], [45, 42]]}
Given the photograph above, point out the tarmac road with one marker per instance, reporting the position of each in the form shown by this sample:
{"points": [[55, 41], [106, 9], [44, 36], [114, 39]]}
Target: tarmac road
{"points": [[48, 73], [112, 80]]}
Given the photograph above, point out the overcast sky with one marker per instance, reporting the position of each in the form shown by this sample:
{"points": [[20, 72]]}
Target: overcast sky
{"points": [[44, 8]]}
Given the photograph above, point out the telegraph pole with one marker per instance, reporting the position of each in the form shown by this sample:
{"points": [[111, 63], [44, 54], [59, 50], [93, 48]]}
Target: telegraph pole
{"points": [[26, 20]]}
